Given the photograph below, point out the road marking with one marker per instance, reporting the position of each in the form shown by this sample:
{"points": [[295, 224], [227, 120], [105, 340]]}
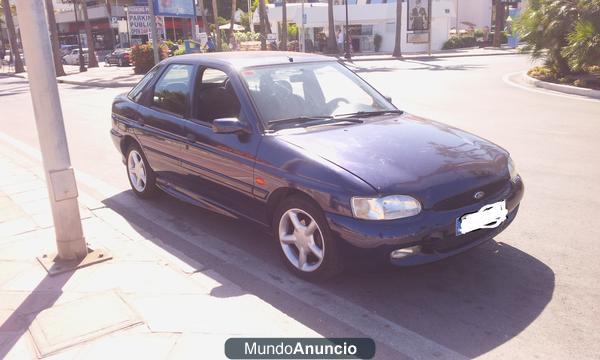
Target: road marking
{"points": [[375, 326], [506, 79]]}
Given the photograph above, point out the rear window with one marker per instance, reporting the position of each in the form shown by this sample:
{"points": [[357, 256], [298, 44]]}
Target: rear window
{"points": [[136, 92]]}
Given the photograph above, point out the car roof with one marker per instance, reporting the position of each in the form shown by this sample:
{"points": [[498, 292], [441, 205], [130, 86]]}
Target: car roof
{"points": [[243, 59]]}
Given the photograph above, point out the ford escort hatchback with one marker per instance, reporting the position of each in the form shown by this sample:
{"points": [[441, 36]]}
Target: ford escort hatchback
{"points": [[302, 145]]}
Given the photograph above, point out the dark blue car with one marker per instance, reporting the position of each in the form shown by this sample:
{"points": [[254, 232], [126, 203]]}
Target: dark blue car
{"points": [[302, 145]]}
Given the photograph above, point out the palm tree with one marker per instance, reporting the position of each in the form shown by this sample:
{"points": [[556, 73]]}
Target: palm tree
{"points": [[204, 23], [92, 62], [331, 40], [58, 68], [217, 30], [398, 43], [498, 23], [232, 21], [284, 25], [12, 37], [263, 24]]}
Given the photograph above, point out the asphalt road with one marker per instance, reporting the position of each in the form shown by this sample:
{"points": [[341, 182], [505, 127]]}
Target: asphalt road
{"points": [[532, 292]]}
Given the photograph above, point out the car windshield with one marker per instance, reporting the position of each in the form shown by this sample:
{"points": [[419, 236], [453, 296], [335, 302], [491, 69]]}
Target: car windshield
{"points": [[304, 92]]}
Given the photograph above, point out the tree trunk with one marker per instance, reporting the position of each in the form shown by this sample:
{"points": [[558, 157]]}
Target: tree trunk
{"points": [[263, 24], [111, 38], [498, 23], [204, 21], [12, 37], [232, 21], [58, 68], [331, 40], [398, 42], [217, 30], [284, 26], [92, 62]]}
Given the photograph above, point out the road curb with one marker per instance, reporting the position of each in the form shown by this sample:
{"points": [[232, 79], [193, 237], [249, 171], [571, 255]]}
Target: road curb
{"points": [[427, 57], [96, 83], [567, 89]]}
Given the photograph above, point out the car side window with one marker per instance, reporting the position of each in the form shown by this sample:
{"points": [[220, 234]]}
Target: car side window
{"points": [[172, 90], [214, 97], [136, 93]]}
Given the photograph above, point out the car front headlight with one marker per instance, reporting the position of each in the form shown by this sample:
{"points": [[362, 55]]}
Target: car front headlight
{"points": [[512, 170], [385, 208]]}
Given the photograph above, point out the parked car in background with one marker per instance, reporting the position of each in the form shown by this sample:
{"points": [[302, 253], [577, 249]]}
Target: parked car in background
{"points": [[300, 144], [119, 57], [73, 57], [66, 49]]}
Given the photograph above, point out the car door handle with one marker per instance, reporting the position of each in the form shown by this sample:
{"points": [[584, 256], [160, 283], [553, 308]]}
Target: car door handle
{"points": [[191, 137]]}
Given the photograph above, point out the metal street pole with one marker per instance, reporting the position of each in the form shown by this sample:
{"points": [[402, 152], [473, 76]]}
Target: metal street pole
{"points": [[194, 20], [82, 67], [302, 34], [154, 31], [347, 54], [429, 27], [250, 16], [60, 178]]}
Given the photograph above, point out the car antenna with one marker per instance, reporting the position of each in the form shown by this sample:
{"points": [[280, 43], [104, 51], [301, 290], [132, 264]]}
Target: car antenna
{"points": [[291, 59]]}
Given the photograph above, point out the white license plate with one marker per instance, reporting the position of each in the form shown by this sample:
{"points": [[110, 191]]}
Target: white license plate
{"points": [[489, 216]]}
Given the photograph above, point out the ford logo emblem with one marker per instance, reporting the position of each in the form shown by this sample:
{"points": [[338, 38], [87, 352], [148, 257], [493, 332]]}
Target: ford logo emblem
{"points": [[478, 195]]}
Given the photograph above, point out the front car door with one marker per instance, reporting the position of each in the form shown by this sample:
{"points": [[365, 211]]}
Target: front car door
{"points": [[220, 167]]}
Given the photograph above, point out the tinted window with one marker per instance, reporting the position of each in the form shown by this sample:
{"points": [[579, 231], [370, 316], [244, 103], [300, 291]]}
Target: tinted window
{"points": [[136, 92], [172, 90]]}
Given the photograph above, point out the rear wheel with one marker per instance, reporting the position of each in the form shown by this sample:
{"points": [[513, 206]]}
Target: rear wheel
{"points": [[307, 246], [140, 175]]}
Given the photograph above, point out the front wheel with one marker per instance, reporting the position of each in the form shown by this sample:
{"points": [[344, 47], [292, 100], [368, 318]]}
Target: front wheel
{"points": [[307, 246], [141, 177]]}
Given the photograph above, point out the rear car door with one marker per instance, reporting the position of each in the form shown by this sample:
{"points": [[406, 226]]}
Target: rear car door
{"points": [[220, 167], [160, 119]]}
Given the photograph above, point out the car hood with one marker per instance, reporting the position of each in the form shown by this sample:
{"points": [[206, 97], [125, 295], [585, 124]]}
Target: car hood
{"points": [[409, 155]]}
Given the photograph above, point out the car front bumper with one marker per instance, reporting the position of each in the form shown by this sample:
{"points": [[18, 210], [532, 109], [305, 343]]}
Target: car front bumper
{"points": [[431, 233]]}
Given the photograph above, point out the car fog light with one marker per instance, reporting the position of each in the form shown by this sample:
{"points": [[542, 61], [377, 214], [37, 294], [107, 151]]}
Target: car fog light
{"points": [[401, 253]]}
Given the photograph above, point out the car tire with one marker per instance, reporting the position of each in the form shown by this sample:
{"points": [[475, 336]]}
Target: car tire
{"points": [[294, 233], [141, 177]]}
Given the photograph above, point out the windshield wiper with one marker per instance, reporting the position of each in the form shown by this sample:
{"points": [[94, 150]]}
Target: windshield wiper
{"points": [[371, 113], [298, 120], [306, 121]]}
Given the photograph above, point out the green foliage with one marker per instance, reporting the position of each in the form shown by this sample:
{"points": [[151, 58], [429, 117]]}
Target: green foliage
{"points": [[377, 39], [563, 32], [222, 21], [143, 57], [179, 51], [292, 31], [457, 42], [246, 36], [543, 73]]}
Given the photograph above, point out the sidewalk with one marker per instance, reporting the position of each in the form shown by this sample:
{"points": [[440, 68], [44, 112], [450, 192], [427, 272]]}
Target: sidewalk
{"points": [[148, 302], [113, 76]]}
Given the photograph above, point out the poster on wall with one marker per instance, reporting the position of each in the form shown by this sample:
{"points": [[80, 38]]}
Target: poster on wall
{"points": [[417, 15], [176, 8]]}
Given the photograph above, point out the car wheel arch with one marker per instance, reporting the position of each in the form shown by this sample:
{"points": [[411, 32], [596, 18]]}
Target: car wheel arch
{"points": [[126, 142], [279, 195]]}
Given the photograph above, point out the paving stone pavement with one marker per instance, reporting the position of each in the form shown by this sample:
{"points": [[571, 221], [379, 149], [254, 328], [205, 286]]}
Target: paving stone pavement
{"points": [[147, 302]]}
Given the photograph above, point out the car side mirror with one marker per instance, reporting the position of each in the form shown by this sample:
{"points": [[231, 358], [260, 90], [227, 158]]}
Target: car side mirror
{"points": [[228, 125]]}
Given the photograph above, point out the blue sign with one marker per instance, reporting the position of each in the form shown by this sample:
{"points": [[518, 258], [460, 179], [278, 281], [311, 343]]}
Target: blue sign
{"points": [[175, 8]]}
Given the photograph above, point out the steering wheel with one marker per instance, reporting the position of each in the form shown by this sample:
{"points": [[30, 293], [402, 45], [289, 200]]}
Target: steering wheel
{"points": [[335, 103]]}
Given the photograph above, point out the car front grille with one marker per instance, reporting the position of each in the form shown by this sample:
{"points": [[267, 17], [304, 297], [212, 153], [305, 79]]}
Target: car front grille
{"points": [[466, 198]]}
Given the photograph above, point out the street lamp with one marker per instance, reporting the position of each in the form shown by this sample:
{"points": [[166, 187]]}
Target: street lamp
{"points": [[126, 9], [82, 67], [347, 54]]}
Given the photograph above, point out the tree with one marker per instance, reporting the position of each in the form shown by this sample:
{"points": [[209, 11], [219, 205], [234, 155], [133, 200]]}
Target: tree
{"points": [[58, 68], [12, 37], [331, 40], [498, 23], [284, 26], [217, 30], [232, 20], [92, 62], [545, 27], [203, 12], [583, 42], [263, 24], [398, 41]]}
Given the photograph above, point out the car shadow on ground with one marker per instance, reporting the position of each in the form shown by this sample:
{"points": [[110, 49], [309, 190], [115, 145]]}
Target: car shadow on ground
{"points": [[471, 303]]}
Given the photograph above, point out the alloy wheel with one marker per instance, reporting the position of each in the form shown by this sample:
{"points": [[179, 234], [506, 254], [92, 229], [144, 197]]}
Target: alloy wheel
{"points": [[136, 170], [301, 239]]}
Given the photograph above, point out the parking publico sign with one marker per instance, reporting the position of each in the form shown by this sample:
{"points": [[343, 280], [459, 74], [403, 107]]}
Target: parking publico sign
{"points": [[138, 18]]}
